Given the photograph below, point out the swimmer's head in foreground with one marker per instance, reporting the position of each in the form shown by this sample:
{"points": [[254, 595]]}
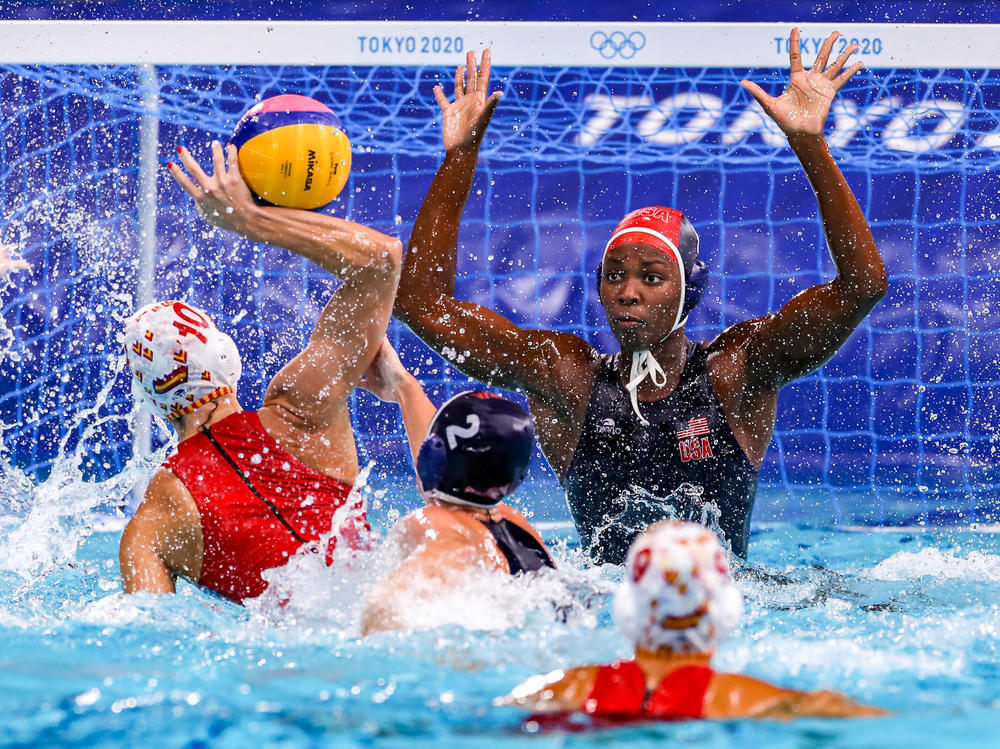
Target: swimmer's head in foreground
{"points": [[651, 276], [179, 359], [678, 601], [678, 595], [477, 450]]}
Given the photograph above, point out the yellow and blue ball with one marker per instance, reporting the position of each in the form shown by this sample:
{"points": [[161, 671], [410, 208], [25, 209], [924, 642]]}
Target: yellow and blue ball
{"points": [[293, 151]]}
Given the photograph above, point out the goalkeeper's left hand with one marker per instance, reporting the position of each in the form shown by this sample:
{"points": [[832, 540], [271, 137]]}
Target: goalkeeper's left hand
{"points": [[803, 108]]}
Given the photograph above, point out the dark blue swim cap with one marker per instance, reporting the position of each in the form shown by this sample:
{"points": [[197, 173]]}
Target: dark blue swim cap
{"points": [[477, 450]]}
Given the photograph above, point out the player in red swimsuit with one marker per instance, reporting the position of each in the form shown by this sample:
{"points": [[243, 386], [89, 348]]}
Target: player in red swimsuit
{"points": [[246, 489], [677, 602]]}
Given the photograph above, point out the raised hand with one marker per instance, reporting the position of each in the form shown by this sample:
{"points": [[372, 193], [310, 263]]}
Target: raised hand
{"points": [[803, 107], [223, 199], [466, 118]]}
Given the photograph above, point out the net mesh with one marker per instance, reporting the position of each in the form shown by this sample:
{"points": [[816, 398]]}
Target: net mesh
{"points": [[904, 411]]}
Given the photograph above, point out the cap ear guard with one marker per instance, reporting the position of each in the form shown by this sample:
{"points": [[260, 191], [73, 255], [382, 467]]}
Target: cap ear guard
{"points": [[695, 286], [432, 462]]}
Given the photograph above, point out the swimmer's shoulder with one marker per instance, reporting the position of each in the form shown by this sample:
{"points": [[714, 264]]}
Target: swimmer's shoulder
{"points": [[431, 522], [571, 360], [167, 526], [560, 396], [167, 495], [509, 513], [735, 338], [572, 353], [729, 363]]}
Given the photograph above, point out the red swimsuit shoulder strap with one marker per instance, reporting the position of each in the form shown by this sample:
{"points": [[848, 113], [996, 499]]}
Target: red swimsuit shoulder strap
{"points": [[619, 689], [681, 695]]}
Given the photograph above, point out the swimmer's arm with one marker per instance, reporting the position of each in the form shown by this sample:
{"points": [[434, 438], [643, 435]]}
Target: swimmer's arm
{"points": [[807, 331], [822, 704], [739, 696], [313, 387], [340, 247], [389, 381], [556, 692], [475, 339], [163, 538]]}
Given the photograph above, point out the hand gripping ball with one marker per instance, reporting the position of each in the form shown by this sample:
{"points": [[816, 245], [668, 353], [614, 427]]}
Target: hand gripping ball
{"points": [[293, 151]]}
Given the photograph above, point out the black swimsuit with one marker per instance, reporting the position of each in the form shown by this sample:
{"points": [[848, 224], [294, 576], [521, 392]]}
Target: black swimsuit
{"points": [[623, 473], [522, 550]]}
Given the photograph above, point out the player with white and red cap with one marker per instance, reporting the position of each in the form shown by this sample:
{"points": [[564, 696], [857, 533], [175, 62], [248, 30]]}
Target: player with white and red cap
{"points": [[678, 601], [246, 489], [624, 432]]}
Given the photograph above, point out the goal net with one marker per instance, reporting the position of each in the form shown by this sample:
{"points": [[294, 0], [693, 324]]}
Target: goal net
{"points": [[634, 114]]}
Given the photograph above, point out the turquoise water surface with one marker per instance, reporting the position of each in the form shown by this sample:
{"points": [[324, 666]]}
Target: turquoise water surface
{"points": [[906, 619]]}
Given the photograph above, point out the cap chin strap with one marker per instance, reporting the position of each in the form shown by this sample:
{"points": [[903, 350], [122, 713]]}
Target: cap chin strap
{"points": [[643, 366]]}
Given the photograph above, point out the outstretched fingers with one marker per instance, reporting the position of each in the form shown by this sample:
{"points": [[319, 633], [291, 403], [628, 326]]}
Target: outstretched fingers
{"points": [[459, 81], [218, 160], [484, 70], [472, 74], [233, 159], [824, 52], [844, 77], [834, 69], [441, 97], [194, 168], [196, 187], [184, 181], [795, 52], [762, 97]]}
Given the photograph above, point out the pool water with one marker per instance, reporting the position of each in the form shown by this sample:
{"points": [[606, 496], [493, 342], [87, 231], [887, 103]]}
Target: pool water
{"points": [[906, 619]]}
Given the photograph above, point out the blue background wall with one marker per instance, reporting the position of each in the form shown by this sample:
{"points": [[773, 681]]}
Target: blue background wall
{"points": [[906, 409]]}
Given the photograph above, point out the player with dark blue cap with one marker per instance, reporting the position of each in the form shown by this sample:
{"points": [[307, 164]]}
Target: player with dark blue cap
{"points": [[476, 452]]}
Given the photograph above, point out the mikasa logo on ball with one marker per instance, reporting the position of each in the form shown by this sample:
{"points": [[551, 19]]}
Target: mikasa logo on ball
{"points": [[310, 168]]}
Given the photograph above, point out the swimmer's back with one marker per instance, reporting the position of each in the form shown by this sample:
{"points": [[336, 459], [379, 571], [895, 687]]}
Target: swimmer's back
{"points": [[468, 540]]}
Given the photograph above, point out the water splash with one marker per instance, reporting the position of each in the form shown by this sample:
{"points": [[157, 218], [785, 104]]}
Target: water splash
{"points": [[54, 517], [939, 565], [640, 508], [308, 593]]}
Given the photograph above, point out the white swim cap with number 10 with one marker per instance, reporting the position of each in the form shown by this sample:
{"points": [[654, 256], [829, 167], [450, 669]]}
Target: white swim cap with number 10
{"points": [[179, 359]]}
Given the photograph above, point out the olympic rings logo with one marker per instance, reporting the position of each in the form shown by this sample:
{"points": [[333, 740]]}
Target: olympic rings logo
{"points": [[618, 43]]}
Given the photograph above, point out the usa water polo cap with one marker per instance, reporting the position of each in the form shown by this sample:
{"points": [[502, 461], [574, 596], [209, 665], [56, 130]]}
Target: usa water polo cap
{"points": [[669, 231], [477, 450], [179, 359], [678, 592]]}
